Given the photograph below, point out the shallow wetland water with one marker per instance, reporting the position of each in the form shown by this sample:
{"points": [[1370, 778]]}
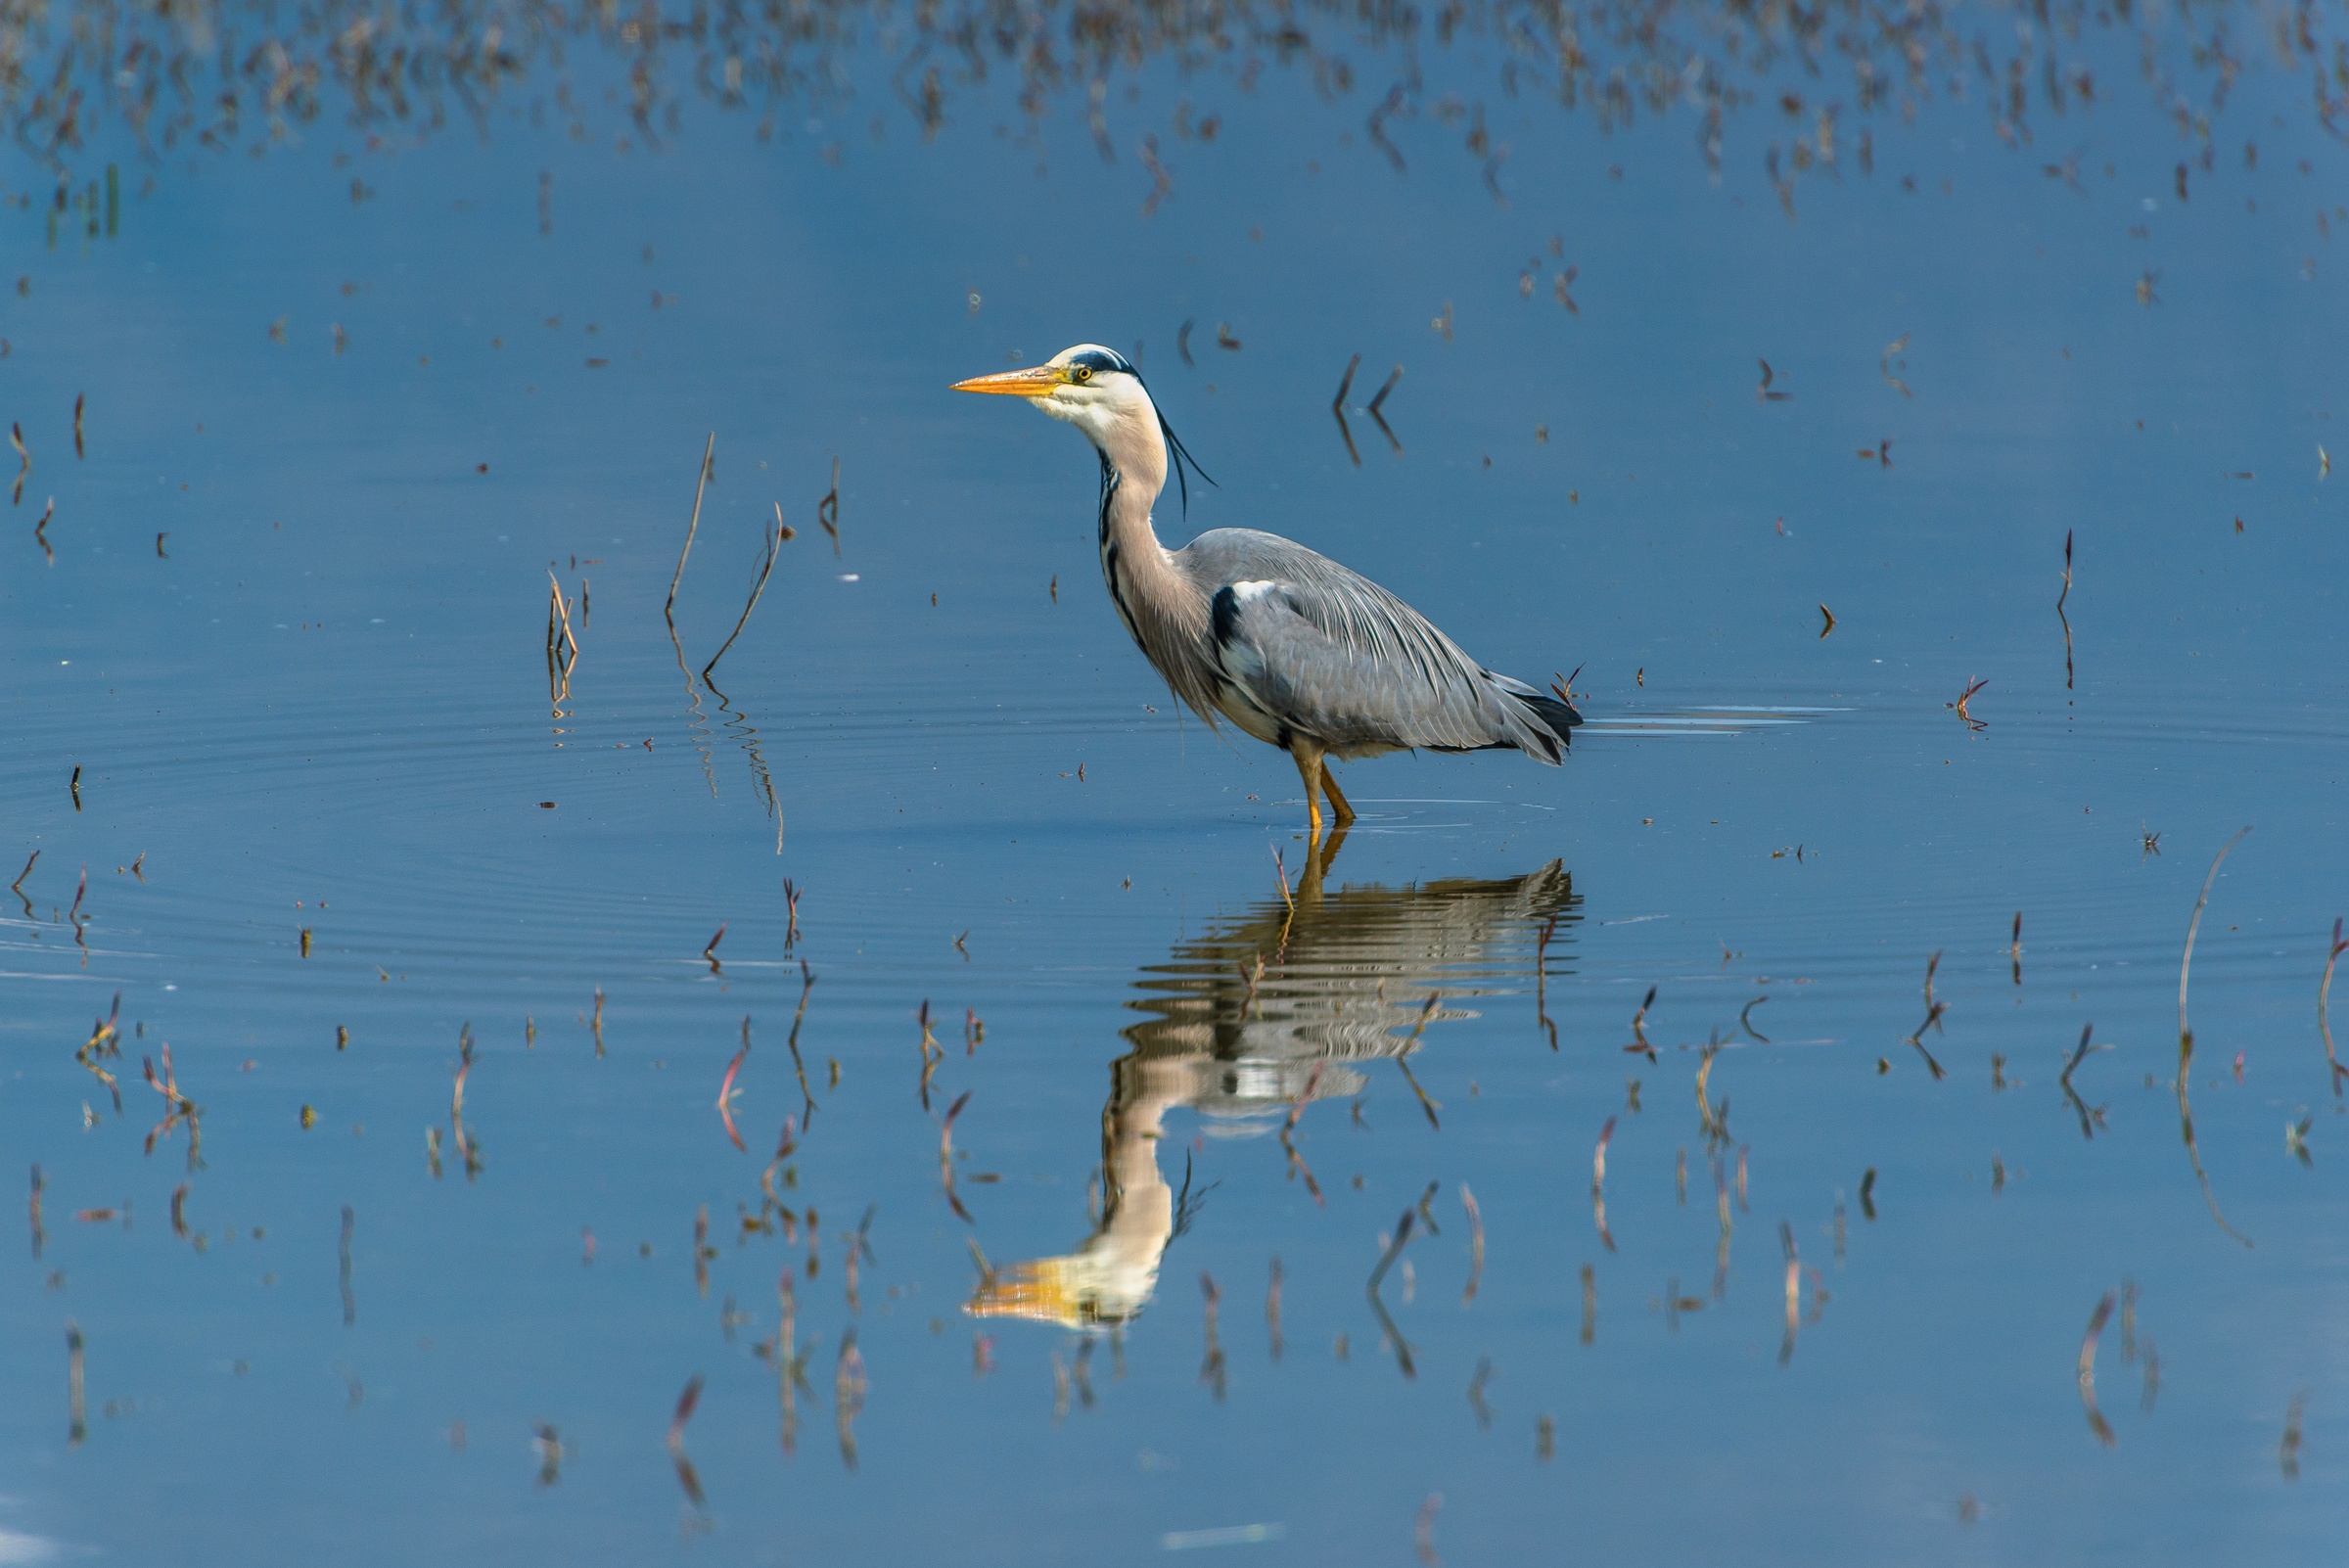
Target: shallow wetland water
{"points": [[1101, 1095]]}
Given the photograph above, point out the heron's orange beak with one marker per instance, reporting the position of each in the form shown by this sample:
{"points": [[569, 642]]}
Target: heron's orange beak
{"points": [[1039, 380]]}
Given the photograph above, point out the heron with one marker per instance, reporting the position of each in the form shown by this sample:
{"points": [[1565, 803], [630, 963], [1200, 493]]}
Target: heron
{"points": [[1290, 647]]}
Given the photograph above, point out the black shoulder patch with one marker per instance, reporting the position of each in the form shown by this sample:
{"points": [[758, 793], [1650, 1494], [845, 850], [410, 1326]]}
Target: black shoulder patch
{"points": [[1223, 615]]}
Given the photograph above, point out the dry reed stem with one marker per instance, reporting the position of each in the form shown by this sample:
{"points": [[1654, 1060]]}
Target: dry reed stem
{"points": [[700, 479], [2185, 1035]]}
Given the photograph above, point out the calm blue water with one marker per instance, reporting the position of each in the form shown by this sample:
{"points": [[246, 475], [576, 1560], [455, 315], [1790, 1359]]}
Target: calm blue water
{"points": [[323, 707]]}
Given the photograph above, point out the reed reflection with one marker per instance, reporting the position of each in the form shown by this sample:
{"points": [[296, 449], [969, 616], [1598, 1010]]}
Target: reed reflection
{"points": [[1268, 1010]]}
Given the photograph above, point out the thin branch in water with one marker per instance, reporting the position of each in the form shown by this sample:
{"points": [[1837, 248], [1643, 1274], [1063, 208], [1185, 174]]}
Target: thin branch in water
{"points": [[766, 568], [1639, 1045], [1272, 1309], [827, 510], [1380, 419], [1297, 1165], [700, 479], [2089, 1120], [2193, 1155], [806, 985], [726, 1090], [1917, 1039], [1476, 1243], [2185, 1035], [945, 1157], [1541, 980], [1598, 1184], [1403, 1234], [2087, 1369], [1337, 407], [2323, 991]]}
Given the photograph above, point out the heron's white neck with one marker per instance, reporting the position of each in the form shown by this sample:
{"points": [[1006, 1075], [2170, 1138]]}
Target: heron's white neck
{"points": [[1164, 612], [1118, 417]]}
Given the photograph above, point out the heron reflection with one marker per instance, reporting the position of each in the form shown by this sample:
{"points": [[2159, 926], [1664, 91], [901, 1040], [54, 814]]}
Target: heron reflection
{"points": [[1269, 1009]]}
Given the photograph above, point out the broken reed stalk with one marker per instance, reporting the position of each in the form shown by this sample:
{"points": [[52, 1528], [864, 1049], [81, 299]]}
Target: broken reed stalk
{"points": [[1337, 408], [1599, 1182], [766, 568], [686, 1476], [2185, 1035], [726, 1090], [1403, 1234], [709, 449], [827, 510]]}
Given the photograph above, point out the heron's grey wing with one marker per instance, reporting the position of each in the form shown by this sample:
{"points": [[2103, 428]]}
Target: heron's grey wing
{"points": [[1327, 653]]}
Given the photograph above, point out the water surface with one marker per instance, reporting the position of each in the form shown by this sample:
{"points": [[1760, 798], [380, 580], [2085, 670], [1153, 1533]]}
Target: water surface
{"points": [[317, 746]]}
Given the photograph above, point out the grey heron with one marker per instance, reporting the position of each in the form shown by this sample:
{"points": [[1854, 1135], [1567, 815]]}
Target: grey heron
{"points": [[1293, 648]]}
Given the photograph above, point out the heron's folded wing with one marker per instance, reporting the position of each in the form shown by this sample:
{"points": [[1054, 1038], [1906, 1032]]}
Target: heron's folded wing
{"points": [[1348, 664]]}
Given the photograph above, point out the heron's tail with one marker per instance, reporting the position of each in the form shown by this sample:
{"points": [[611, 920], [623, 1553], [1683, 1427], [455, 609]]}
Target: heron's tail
{"points": [[1559, 717], [1543, 723]]}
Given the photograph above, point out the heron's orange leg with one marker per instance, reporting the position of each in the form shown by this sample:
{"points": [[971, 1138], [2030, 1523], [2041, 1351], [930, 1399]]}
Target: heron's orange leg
{"points": [[1308, 769], [1338, 805]]}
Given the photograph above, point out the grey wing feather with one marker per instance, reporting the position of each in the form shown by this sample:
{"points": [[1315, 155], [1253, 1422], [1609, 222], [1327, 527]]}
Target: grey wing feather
{"points": [[1323, 652]]}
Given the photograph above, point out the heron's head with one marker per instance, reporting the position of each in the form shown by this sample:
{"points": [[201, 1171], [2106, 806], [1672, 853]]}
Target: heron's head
{"points": [[1092, 387], [1098, 391]]}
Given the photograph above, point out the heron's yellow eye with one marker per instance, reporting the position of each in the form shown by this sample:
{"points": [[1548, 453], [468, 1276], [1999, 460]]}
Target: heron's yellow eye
{"points": [[1081, 373]]}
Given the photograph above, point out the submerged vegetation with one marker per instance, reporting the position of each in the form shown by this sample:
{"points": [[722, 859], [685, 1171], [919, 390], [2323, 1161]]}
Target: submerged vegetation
{"points": [[237, 77]]}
